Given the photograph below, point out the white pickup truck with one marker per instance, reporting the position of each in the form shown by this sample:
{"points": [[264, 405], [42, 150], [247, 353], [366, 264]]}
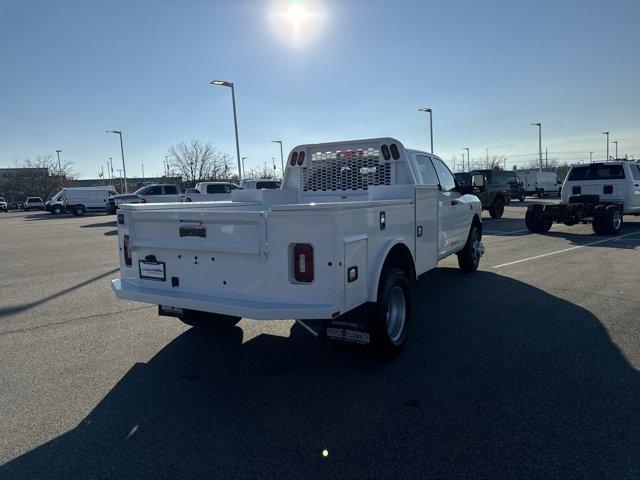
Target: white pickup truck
{"points": [[336, 248]]}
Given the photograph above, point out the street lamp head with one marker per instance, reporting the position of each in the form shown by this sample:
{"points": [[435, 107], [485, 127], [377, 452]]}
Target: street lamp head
{"points": [[536, 124], [276, 141], [117, 132], [605, 133], [424, 109], [222, 83], [58, 151]]}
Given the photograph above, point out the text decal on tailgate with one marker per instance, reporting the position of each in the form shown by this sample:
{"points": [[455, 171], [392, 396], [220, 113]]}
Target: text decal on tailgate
{"points": [[198, 230]]}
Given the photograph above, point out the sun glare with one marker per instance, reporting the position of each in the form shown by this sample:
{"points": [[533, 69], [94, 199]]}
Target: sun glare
{"points": [[297, 22]]}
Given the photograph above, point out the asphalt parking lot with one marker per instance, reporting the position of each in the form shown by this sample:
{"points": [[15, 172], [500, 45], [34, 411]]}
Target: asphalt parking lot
{"points": [[526, 369]]}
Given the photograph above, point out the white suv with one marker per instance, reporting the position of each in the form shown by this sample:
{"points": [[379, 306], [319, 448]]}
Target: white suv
{"points": [[33, 203], [3, 205]]}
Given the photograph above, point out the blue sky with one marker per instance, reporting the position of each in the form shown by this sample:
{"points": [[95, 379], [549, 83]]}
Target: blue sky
{"points": [[351, 69]]}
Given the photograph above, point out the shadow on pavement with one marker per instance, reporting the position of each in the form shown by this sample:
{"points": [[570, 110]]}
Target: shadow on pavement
{"points": [[110, 223], [15, 309], [500, 380]]}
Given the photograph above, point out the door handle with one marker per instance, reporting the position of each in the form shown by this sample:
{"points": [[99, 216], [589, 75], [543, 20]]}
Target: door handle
{"points": [[454, 202]]}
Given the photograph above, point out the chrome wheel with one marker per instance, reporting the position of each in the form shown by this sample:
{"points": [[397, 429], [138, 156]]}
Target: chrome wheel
{"points": [[396, 313], [617, 220]]}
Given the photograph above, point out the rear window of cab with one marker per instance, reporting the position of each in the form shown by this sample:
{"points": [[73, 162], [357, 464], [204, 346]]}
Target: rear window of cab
{"points": [[596, 172]]}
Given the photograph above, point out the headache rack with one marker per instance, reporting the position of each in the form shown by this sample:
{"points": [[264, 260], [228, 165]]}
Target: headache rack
{"points": [[346, 170]]}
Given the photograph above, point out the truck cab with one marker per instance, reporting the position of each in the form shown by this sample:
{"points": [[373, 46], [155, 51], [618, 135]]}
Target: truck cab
{"points": [[335, 248]]}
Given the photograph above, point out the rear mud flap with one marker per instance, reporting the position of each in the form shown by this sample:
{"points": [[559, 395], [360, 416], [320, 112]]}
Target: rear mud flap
{"points": [[353, 327]]}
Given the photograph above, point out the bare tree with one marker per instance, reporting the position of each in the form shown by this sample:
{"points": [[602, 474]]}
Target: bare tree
{"points": [[194, 160], [38, 177]]}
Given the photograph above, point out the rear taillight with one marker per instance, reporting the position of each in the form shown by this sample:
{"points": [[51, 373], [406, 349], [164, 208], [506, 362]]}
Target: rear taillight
{"points": [[126, 250], [303, 263]]}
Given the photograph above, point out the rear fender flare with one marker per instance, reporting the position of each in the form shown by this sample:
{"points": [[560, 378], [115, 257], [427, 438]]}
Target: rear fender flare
{"points": [[378, 263]]}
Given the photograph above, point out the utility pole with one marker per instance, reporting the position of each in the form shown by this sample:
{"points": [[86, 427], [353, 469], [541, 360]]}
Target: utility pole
{"points": [[59, 168], [607, 134], [487, 158], [430, 112], [616, 142], [590, 156], [166, 165], [120, 176], [102, 174], [143, 174], [468, 159], [546, 159], [539, 125]]}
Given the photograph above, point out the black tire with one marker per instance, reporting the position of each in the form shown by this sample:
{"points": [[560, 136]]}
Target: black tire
{"points": [[469, 257], [56, 210], [79, 210], [394, 295], [597, 221], [612, 220], [521, 198], [535, 221], [497, 208], [26, 209], [209, 320]]}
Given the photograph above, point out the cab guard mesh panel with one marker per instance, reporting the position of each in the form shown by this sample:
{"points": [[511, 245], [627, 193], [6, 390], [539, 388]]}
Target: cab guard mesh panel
{"points": [[345, 170]]}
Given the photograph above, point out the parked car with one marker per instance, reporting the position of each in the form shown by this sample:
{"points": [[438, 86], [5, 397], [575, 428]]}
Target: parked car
{"points": [[211, 191], [156, 193], [516, 185], [80, 200], [4, 206], [540, 183], [267, 183], [596, 193], [336, 248], [494, 194], [33, 203]]}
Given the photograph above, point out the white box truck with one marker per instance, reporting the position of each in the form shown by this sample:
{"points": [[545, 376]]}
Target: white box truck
{"points": [[335, 249]]}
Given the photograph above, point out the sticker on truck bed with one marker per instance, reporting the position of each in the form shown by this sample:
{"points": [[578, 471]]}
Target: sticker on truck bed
{"points": [[152, 271], [348, 335]]}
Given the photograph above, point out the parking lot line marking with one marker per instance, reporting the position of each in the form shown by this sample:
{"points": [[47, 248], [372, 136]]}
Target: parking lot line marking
{"points": [[564, 250], [505, 233]]}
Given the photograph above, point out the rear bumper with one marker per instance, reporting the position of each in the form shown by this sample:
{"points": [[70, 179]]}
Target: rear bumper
{"points": [[258, 310]]}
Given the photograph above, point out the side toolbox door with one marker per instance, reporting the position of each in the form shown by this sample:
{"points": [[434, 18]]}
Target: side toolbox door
{"points": [[426, 228], [356, 270]]}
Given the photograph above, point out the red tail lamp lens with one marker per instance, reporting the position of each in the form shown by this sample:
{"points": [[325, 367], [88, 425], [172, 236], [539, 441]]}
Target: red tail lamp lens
{"points": [[128, 260], [301, 158], [303, 263], [294, 158]]}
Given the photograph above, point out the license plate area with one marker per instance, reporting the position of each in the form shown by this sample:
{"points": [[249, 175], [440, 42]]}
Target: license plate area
{"points": [[348, 335], [152, 271]]}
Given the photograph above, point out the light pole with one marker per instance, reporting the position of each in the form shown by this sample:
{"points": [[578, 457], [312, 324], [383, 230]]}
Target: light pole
{"points": [[224, 83], [124, 169], [281, 156], [468, 160], [430, 112], [590, 156], [607, 134], [243, 159], [616, 142], [143, 174], [59, 167], [539, 125]]}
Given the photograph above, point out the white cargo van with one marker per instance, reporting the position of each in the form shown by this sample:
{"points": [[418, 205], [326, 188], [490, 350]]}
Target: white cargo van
{"points": [[540, 183], [80, 200]]}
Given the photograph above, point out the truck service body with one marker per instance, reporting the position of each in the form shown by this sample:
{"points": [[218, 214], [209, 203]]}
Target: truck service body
{"points": [[350, 216]]}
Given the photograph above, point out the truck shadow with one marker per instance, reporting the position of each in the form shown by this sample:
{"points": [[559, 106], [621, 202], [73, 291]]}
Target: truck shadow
{"points": [[500, 380]]}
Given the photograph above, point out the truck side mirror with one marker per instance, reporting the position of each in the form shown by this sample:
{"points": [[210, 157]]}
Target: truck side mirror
{"points": [[477, 180]]}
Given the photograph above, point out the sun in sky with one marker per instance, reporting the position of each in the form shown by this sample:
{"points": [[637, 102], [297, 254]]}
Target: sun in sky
{"points": [[297, 22]]}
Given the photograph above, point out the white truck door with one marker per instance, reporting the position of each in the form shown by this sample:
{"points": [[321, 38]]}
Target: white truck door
{"points": [[426, 228], [171, 193], [452, 214]]}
